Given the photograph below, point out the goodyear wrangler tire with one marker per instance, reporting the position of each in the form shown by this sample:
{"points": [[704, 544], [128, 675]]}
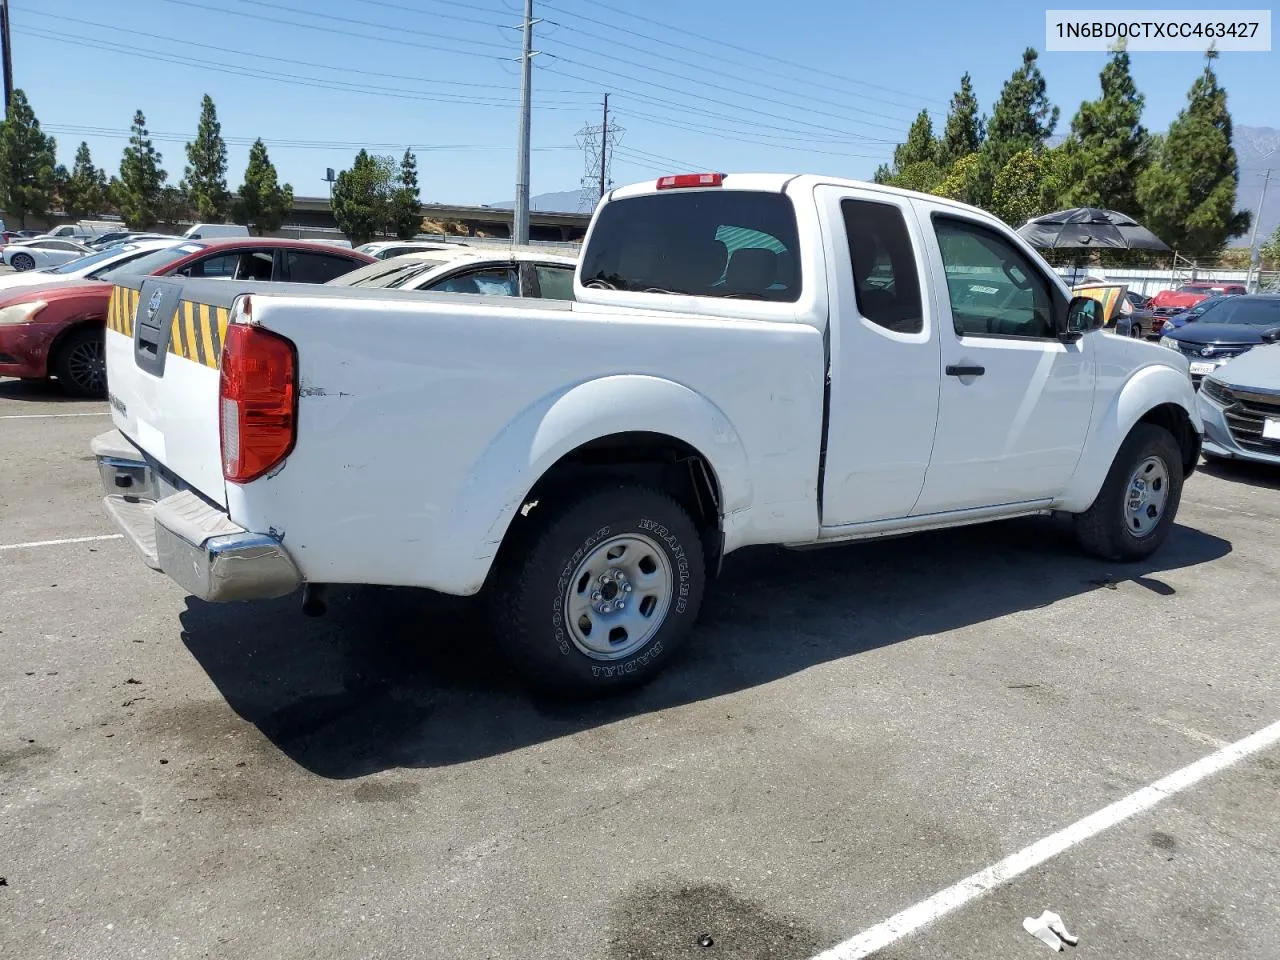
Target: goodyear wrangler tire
{"points": [[602, 593]]}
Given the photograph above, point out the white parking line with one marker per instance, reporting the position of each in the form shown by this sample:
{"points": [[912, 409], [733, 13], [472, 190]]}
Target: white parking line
{"points": [[58, 543], [51, 416], [945, 901]]}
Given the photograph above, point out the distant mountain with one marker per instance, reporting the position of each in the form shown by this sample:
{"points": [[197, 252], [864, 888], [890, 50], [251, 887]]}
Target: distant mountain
{"points": [[1258, 148], [566, 201]]}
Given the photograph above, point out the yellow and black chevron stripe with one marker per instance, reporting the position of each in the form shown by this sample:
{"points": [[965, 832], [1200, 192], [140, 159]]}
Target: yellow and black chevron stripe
{"points": [[120, 313], [196, 332]]}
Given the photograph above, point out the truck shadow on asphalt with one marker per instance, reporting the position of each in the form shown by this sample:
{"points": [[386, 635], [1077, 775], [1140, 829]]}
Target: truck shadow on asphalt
{"points": [[39, 391], [403, 678]]}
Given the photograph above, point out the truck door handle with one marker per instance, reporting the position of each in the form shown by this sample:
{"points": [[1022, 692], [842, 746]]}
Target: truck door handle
{"points": [[953, 371]]}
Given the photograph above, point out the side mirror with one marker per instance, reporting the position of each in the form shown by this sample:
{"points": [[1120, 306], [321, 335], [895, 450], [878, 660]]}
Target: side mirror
{"points": [[1271, 336], [1083, 314]]}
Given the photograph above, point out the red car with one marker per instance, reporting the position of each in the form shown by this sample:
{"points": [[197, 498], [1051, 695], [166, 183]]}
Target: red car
{"points": [[1168, 303], [58, 330]]}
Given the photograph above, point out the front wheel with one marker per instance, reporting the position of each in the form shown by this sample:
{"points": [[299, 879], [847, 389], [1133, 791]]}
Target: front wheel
{"points": [[81, 363], [601, 592], [22, 261], [1135, 509]]}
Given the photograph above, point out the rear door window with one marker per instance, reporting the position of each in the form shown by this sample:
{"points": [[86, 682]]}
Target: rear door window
{"points": [[703, 243], [886, 284], [305, 267], [554, 283], [492, 281]]}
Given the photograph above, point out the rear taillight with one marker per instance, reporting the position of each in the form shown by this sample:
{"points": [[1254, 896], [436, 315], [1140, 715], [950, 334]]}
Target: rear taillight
{"points": [[682, 180], [258, 401]]}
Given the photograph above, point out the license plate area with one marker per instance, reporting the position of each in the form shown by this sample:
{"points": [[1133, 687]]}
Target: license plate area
{"points": [[1271, 429], [1202, 367]]}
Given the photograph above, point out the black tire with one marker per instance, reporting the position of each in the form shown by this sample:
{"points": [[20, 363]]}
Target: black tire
{"points": [[1104, 529], [22, 261], [1135, 330], [81, 363], [531, 593]]}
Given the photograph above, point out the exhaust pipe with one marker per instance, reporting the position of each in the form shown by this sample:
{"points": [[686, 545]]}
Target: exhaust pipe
{"points": [[313, 600]]}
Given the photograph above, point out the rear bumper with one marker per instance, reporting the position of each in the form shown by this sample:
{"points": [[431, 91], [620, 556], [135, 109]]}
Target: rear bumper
{"points": [[178, 533]]}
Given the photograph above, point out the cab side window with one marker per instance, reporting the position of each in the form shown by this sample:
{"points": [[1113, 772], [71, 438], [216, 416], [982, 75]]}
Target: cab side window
{"points": [[494, 281], [554, 283], [996, 291], [886, 283]]}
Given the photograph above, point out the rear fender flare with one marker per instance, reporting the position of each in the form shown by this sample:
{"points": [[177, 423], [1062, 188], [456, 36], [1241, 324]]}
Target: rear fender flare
{"points": [[501, 479], [1148, 388]]}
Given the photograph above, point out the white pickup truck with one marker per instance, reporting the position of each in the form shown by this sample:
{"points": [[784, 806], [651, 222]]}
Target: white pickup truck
{"points": [[751, 359]]}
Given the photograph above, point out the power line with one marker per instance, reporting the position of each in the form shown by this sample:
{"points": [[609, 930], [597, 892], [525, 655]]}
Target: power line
{"points": [[729, 135], [598, 141], [686, 108], [754, 54], [223, 51], [444, 16], [739, 80], [320, 83], [397, 28]]}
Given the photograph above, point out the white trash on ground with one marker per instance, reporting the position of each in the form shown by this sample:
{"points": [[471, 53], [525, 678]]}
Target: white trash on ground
{"points": [[1049, 928]]}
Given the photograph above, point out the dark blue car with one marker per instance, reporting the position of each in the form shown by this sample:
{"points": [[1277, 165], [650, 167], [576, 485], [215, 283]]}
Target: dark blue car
{"points": [[1191, 314], [1227, 329]]}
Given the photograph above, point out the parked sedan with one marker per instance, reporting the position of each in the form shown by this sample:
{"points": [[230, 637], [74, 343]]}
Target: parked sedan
{"points": [[1193, 314], [386, 249], [86, 268], [1240, 407], [1224, 331], [57, 329], [503, 273], [43, 252]]}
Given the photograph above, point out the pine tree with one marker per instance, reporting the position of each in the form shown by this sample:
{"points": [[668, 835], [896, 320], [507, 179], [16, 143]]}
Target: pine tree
{"points": [[1108, 142], [141, 178], [361, 197], [1022, 119], [263, 202], [883, 174], [85, 193], [920, 145], [1188, 193], [406, 212], [28, 162], [173, 206], [205, 178], [964, 130]]}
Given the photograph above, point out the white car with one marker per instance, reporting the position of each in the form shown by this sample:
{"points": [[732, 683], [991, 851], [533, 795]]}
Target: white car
{"points": [[43, 252], [502, 273], [749, 359], [87, 267], [385, 249]]}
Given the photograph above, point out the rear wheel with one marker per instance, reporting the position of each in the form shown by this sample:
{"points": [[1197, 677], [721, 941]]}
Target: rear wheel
{"points": [[600, 592], [81, 363], [22, 261], [1135, 330], [1138, 502]]}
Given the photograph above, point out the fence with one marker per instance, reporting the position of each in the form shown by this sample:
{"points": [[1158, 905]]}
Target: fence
{"points": [[1150, 282]]}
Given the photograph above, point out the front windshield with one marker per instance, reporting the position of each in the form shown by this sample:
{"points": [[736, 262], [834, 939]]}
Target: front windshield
{"points": [[1245, 311], [1194, 288], [386, 274], [151, 262]]}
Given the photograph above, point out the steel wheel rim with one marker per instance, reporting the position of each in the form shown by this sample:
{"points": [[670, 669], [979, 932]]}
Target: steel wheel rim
{"points": [[87, 364], [1145, 497], [22, 262], [618, 597]]}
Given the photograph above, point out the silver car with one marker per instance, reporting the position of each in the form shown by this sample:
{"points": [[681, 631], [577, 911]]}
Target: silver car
{"points": [[1240, 405]]}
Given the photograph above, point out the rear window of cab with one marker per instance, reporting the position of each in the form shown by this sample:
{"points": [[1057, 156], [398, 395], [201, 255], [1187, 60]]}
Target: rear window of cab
{"points": [[703, 243]]}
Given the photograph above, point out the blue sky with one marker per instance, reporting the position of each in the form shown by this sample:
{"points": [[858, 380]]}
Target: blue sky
{"points": [[813, 86]]}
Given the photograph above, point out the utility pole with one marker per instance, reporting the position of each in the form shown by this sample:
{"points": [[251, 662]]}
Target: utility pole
{"points": [[520, 227], [604, 146], [7, 53], [1251, 281]]}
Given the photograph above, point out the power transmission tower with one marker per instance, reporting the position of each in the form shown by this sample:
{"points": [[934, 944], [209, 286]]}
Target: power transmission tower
{"points": [[520, 225], [1254, 263], [7, 54], [597, 141]]}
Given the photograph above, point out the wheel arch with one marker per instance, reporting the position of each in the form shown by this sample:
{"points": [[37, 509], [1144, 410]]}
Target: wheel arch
{"points": [[1156, 394]]}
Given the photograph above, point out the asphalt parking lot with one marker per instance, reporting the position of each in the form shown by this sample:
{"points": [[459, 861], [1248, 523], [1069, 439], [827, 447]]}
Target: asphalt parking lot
{"points": [[851, 732]]}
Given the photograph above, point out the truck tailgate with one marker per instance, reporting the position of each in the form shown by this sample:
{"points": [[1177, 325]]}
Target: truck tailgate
{"points": [[163, 345]]}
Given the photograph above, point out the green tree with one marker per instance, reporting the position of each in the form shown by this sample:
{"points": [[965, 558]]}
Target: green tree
{"points": [[1108, 142], [883, 174], [362, 195], [173, 206], [1032, 183], [962, 180], [205, 177], [922, 176], [1188, 193], [263, 203], [920, 145], [28, 162], [406, 215], [1022, 119], [85, 192], [963, 133], [1270, 252], [141, 178]]}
